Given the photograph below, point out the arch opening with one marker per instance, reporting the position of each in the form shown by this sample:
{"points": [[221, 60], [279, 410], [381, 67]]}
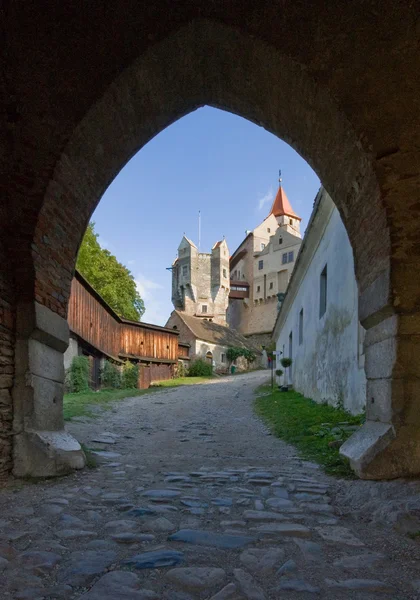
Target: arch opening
{"points": [[190, 69]]}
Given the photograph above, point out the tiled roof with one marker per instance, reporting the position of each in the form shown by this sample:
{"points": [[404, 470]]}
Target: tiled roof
{"points": [[214, 333], [281, 206]]}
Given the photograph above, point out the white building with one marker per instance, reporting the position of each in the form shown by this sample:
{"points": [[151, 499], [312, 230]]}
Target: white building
{"points": [[260, 268], [317, 325]]}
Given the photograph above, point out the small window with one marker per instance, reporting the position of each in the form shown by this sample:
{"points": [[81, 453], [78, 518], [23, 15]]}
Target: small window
{"points": [[301, 327], [204, 308], [224, 273], [284, 258], [258, 288], [323, 292], [184, 270], [260, 265], [291, 257], [223, 357], [268, 230], [280, 240], [271, 285], [174, 327], [262, 246]]}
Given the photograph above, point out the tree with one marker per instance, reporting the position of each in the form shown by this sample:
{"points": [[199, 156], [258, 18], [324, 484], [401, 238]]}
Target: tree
{"points": [[111, 279]]}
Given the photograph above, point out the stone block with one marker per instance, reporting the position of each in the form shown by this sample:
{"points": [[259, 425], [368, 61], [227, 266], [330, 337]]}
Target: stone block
{"points": [[45, 361], [387, 328], [380, 359], [362, 447], [379, 399], [46, 454], [50, 329], [374, 301], [47, 411]]}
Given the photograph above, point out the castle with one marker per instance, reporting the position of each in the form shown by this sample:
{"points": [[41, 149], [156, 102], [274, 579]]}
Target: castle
{"points": [[260, 269], [240, 291]]}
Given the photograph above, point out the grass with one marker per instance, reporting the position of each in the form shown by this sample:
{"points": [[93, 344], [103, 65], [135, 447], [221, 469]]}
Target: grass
{"points": [[83, 404], [309, 426], [181, 381]]}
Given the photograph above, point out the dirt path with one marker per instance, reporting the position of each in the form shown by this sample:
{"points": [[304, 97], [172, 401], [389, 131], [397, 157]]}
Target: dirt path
{"points": [[194, 499]]}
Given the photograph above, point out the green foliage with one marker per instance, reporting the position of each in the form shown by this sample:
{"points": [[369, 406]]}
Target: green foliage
{"points": [[200, 368], [112, 280], [279, 372], [110, 376], [235, 352], [286, 362], [78, 374], [315, 429], [130, 375], [181, 370], [78, 405]]}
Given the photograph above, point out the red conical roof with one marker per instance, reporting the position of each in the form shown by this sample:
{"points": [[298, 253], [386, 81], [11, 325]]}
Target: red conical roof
{"points": [[281, 206]]}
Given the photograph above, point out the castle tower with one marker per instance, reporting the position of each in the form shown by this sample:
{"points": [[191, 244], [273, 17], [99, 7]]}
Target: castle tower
{"points": [[200, 281], [286, 217]]}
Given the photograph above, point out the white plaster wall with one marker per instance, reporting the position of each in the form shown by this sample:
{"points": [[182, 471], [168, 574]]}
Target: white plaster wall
{"points": [[71, 352], [327, 366], [202, 347]]}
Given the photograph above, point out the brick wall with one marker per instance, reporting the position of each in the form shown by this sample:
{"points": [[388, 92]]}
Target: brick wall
{"points": [[6, 364]]}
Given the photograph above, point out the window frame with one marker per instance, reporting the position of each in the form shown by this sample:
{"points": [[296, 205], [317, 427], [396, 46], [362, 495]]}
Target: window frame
{"points": [[323, 291], [204, 308], [284, 258], [290, 256], [260, 265], [300, 328]]}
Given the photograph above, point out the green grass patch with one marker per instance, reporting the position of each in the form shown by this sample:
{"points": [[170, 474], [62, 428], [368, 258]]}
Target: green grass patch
{"points": [[180, 381], [313, 428], [82, 404], [91, 461]]}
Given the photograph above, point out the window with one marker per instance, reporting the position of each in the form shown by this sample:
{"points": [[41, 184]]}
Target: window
{"points": [[258, 288], [271, 285], [262, 246], [301, 327], [224, 273], [184, 270], [280, 240], [284, 258], [323, 292], [291, 256], [204, 308], [268, 230], [223, 357], [260, 265]]}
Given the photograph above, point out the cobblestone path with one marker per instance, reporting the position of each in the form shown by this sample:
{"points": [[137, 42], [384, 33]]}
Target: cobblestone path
{"points": [[193, 499]]}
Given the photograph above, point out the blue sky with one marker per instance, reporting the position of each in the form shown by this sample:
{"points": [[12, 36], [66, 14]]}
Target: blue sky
{"points": [[209, 160]]}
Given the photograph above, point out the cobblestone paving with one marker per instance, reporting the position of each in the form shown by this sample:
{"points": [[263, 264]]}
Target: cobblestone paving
{"points": [[193, 499]]}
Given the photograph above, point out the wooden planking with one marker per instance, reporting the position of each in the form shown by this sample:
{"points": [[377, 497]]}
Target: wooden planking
{"points": [[92, 320], [183, 351]]}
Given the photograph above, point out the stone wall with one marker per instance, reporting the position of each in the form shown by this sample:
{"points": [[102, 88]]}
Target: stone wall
{"points": [[7, 322], [362, 141]]}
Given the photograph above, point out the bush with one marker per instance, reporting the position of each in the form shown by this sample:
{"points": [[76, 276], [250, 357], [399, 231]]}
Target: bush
{"points": [[78, 374], [110, 376], [200, 368], [279, 372], [286, 362], [181, 370], [130, 375]]}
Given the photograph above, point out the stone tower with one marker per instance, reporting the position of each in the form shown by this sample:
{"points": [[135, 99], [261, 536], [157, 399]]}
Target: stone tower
{"points": [[200, 281]]}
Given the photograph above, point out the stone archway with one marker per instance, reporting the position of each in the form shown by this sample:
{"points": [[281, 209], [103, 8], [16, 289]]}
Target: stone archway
{"points": [[206, 62]]}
